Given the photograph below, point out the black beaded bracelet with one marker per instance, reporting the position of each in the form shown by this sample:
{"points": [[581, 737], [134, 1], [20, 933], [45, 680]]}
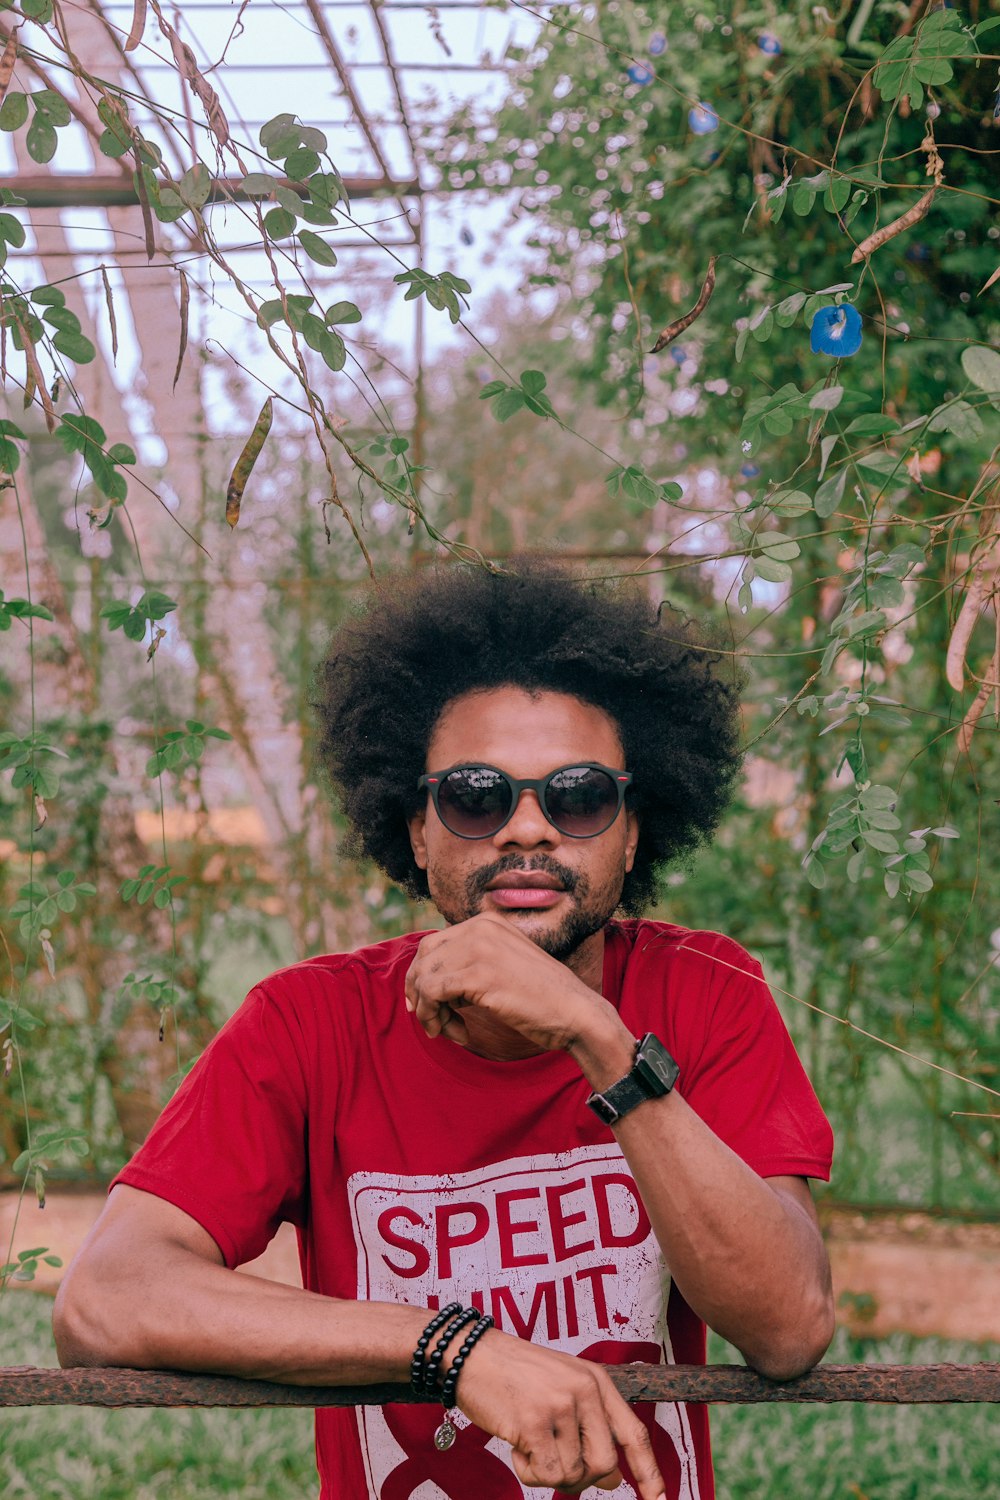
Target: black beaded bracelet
{"points": [[451, 1379], [432, 1367], [417, 1362]]}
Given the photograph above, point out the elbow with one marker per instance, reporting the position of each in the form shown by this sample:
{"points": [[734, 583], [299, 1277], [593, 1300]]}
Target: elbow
{"points": [[84, 1324], [795, 1346]]}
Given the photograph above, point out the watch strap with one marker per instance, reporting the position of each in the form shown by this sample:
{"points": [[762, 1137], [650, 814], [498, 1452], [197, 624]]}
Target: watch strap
{"points": [[653, 1074], [617, 1100]]}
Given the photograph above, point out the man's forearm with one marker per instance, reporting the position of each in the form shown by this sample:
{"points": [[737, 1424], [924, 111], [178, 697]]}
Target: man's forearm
{"points": [[747, 1255], [179, 1311]]}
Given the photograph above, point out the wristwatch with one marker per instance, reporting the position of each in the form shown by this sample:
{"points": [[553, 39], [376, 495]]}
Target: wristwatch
{"points": [[653, 1074]]}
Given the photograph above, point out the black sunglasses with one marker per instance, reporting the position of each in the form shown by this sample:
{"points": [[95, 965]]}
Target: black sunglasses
{"points": [[475, 802]]}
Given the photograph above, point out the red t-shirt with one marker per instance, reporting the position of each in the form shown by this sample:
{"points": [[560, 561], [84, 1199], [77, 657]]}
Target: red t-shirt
{"points": [[417, 1172]]}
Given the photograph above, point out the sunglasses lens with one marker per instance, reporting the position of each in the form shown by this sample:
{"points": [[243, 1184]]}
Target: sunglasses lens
{"points": [[582, 801], [474, 801]]}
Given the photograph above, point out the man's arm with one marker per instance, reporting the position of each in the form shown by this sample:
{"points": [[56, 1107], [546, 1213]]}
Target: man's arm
{"points": [[149, 1290], [745, 1251]]}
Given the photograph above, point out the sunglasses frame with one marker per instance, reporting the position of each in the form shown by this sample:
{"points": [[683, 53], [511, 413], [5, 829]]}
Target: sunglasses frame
{"points": [[432, 781]]}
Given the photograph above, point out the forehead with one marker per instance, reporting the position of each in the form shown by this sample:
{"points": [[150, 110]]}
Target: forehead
{"points": [[525, 734]]}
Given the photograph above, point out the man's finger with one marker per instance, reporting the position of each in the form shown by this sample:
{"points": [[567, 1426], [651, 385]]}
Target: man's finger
{"points": [[633, 1439]]}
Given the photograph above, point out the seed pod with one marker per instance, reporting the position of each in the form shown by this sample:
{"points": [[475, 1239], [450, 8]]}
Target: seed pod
{"points": [[246, 461]]}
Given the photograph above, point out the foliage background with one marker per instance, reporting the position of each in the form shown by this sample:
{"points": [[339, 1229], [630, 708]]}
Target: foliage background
{"points": [[163, 831]]}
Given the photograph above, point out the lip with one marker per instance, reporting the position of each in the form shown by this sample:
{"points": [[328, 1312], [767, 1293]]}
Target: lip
{"points": [[524, 880], [524, 897], [520, 890]]}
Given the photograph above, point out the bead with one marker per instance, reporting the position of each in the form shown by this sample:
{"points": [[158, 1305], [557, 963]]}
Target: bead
{"points": [[433, 1364], [451, 1379], [417, 1363]]}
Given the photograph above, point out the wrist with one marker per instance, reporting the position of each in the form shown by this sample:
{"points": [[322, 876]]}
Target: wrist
{"points": [[605, 1050]]}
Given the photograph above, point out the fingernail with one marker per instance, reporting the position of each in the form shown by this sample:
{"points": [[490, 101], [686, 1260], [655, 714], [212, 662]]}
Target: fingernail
{"points": [[409, 1006]]}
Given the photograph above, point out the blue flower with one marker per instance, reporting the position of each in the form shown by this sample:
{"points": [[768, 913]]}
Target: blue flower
{"points": [[703, 120], [640, 73], [836, 331], [769, 44], [750, 471], [657, 44]]}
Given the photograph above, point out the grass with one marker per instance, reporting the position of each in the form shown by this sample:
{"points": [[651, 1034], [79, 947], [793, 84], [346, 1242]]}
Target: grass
{"points": [[857, 1451], [840, 1452], [81, 1453]]}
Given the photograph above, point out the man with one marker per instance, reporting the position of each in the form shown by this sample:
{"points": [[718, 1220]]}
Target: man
{"points": [[598, 1131]]}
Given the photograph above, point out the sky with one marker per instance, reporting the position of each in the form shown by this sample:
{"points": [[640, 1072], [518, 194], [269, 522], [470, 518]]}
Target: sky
{"points": [[274, 61]]}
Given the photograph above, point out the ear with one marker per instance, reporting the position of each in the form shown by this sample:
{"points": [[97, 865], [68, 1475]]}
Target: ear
{"points": [[418, 839], [631, 837]]}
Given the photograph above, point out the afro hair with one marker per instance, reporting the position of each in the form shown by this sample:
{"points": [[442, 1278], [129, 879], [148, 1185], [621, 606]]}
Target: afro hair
{"points": [[428, 637]]}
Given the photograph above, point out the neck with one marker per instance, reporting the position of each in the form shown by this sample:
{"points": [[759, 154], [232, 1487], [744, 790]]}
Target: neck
{"points": [[491, 1038]]}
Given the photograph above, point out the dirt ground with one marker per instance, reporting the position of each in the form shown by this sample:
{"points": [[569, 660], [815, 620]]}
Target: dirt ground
{"points": [[899, 1272]]}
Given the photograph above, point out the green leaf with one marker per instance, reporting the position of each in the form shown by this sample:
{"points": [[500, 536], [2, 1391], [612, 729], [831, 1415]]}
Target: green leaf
{"points": [[342, 312], [777, 546], [957, 417], [772, 570], [787, 311], [52, 105], [289, 200], [41, 140], [827, 398], [838, 190], [317, 248], [872, 425], [789, 502], [110, 143], [316, 213], [259, 184], [504, 405], [273, 129], [803, 198], [830, 493], [918, 880], [982, 369], [62, 319], [270, 312], [11, 230], [75, 347], [886, 592], [153, 605], [333, 350], [279, 223], [13, 111], [314, 139], [884, 842], [195, 186], [532, 382], [301, 163]]}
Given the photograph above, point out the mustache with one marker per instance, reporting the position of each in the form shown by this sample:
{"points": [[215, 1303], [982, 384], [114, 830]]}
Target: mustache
{"points": [[567, 878]]}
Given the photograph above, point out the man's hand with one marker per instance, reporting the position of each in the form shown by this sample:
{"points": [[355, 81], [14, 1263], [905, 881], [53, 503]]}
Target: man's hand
{"points": [[562, 1416], [486, 963]]}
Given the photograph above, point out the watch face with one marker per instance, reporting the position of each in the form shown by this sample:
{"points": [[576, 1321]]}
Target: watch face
{"points": [[655, 1066]]}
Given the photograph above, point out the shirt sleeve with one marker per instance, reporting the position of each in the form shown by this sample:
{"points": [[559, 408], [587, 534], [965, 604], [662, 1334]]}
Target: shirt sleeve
{"points": [[742, 1074], [230, 1147]]}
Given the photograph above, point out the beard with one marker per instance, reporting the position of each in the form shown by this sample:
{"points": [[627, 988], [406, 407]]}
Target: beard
{"points": [[592, 907]]}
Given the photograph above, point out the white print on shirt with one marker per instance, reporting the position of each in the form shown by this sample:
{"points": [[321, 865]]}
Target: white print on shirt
{"points": [[558, 1248]]}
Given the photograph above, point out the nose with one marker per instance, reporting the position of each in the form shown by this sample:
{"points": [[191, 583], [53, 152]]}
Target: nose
{"points": [[528, 827]]}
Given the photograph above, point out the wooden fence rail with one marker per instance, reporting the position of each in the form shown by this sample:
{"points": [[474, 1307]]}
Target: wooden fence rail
{"points": [[23, 1385]]}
